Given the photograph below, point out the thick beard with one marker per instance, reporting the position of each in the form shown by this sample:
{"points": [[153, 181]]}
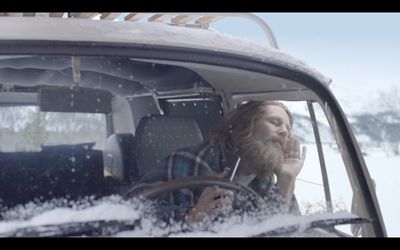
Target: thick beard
{"points": [[261, 157]]}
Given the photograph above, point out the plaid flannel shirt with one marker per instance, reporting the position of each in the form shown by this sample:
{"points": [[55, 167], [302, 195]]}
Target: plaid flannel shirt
{"points": [[203, 160]]}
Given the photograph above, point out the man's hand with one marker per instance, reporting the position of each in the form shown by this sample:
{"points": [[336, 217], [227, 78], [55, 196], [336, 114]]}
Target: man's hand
{"points": [[290, 168], [293, 162], [213, 201]]}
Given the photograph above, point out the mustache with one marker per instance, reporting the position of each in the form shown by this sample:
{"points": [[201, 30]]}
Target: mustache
{"points": [[274, 140], [262, 156]]}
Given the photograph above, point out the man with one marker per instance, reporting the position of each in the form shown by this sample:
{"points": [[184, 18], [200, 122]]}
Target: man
{"points": [[257, 138]]}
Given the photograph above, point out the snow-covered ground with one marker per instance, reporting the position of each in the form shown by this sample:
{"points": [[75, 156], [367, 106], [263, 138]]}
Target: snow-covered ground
{"points": [[384, 169]]}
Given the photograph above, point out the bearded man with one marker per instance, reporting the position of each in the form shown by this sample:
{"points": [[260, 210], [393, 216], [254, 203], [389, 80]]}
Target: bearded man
{"points": [[256, 137]]}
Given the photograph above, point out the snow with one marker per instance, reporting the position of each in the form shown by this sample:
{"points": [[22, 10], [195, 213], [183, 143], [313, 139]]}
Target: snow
{"points": [[19, 28], [309, 192], [382, 169], [248, 227], [385, 171], [110, 208], [239, 226]]}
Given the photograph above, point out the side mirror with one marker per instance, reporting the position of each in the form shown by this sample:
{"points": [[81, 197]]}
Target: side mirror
{"points": [[74, 99]]}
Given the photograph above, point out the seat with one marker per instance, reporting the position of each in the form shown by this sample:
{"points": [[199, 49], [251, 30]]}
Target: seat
{"points": [[157, 136], [119, 156]]}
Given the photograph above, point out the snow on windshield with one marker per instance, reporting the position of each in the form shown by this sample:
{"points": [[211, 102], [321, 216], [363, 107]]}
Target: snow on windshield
{"points": [[114, 207], [63, 211]]}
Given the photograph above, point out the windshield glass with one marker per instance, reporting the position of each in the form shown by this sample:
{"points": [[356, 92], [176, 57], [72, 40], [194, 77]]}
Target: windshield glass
{"points": [[111, 150]]}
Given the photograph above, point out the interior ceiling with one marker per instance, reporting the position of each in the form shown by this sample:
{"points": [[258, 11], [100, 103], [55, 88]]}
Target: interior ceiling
{"points": [[128, 76], [236, 80], [119, 75]]}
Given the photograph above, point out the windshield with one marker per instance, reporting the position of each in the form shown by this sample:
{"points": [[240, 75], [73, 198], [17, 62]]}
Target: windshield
{"points": [[91, 153]]}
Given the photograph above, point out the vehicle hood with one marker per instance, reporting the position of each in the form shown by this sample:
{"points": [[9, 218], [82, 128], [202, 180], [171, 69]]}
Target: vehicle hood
{"points": [[58, 218]]}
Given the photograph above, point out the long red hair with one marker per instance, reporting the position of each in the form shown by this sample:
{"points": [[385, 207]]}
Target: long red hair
{"points": [[238, 125]]}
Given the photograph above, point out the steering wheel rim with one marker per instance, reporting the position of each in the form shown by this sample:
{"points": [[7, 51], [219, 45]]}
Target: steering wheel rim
{"points": [[159, 188]]}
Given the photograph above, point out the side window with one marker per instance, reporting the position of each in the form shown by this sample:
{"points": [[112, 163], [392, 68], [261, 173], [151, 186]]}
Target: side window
{"points": [[309, 189], [323, 184], [25, 128], [339, 183]]}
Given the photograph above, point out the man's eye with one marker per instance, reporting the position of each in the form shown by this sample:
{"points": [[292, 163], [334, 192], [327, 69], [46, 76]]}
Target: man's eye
{"points": [[275, 122]]}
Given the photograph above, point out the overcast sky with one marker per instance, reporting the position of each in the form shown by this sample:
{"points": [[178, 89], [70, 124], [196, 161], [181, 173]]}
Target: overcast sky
{"points": [[359, 51]]}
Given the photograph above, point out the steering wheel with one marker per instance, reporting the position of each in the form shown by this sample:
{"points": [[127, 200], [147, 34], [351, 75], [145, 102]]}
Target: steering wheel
{"points": [[155, 190]]}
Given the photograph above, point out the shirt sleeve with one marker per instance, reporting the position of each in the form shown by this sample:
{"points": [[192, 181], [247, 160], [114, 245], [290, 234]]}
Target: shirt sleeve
{"points": [[196, 161]]}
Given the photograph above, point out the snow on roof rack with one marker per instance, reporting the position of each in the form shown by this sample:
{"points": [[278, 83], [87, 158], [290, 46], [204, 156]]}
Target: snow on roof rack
{"points": [[191, 20]]}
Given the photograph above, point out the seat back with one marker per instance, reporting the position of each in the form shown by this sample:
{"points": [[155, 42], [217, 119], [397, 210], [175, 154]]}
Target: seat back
{"points": [[71, 171], [158, 136]]}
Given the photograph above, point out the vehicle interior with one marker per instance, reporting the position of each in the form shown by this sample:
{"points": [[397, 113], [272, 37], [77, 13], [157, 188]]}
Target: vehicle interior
{"points": [[149, 108], [142, 128]]}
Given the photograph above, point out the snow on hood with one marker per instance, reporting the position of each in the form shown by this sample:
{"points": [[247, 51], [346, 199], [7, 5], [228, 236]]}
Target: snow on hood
{"points": [[61, 29], [114, 208], [111, 208], [243, 226]]}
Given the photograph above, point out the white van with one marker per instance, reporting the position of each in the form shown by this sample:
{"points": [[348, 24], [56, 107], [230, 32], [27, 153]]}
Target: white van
{"points": [[78, 88]]}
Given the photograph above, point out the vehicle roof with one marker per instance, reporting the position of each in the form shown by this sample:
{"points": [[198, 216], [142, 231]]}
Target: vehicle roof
{"points": [[75, 29]]}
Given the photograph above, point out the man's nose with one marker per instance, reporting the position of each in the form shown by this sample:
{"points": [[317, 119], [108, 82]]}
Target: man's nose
{"points": [[283, 133]]}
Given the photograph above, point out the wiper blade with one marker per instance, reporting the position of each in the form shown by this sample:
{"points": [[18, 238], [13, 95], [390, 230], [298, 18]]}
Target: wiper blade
{"points": [[89, 228], [340, 221], [327, 224]]}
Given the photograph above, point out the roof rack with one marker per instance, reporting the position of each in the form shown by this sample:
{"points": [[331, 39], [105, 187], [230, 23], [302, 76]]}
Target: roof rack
{"points": [[194, 20]]}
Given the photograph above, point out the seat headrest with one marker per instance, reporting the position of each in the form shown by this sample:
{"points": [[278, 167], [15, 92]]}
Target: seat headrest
{"points": [[158, 136], [119, 156]]}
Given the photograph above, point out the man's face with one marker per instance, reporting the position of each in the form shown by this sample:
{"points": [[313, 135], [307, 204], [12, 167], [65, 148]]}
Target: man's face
{"points": [[263, 152], [273, 124]]}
